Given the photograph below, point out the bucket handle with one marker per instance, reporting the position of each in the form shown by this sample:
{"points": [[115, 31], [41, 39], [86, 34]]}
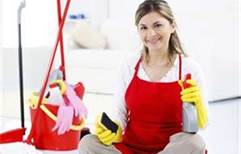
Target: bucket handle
{"points": [[32, 102], [54, 118]]}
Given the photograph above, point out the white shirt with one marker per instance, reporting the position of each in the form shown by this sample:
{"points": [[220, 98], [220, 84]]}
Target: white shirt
{"points": [[126, 74]]}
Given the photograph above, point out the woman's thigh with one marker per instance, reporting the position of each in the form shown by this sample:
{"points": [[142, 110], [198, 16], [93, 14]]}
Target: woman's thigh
{"points": [[90, 144], [185, 143]]}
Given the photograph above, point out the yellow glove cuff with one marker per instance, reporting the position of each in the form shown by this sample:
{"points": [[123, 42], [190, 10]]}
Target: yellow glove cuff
{"points": [[201, 115]]}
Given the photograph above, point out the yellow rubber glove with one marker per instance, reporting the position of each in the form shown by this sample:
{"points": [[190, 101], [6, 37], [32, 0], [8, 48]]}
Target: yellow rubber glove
{"points": [[105, 135], [61, 85], [193, 95]]}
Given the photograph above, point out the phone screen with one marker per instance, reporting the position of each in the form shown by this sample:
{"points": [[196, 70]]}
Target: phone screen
{"points": [[108, 123]]}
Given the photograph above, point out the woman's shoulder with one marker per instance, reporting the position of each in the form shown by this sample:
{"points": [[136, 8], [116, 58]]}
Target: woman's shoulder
{"points": [[131, 60], [190, 63], [127, 68]]}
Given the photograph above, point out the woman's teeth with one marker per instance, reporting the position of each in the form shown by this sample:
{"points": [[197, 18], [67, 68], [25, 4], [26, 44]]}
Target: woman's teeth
{"points": [[153, 41]]}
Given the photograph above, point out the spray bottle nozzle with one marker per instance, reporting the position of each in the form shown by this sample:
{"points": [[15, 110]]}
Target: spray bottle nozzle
{"points": [[187, 77]]}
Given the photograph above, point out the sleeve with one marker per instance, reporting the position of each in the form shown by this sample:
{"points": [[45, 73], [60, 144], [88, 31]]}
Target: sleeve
{"points": [[119, 112], [123, 79]]}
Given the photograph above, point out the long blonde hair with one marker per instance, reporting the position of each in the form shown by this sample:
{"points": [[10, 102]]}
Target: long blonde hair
{"points": [[161, 7]]}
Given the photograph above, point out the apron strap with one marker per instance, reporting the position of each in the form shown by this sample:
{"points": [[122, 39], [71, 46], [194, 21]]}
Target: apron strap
{"points": [[137, 66], [180, 66]]}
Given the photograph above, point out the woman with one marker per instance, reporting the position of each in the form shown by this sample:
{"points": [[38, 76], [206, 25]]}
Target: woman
{"points": [[150, 94]]}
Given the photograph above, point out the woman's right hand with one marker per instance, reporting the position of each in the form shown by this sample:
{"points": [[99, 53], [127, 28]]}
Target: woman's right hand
{"points": [[105, 135]]}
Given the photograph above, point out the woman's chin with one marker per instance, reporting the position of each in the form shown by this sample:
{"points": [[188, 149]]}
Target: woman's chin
{"points": [[153, 48]]}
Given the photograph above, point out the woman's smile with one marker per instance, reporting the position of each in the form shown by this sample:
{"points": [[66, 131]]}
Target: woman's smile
{"points": [[154, 41]]}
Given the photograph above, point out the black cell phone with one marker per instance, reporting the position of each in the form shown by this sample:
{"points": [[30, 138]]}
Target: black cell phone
{"points": [[108, 123]]}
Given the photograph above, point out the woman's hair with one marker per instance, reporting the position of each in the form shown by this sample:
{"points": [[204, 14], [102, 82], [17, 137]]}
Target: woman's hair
{"points": [[161, 7]]}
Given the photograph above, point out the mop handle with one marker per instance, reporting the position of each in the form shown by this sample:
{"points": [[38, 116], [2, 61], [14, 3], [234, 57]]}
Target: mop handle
{"points": [[61, 41], [20, 61], [48, 72], [21, 6], [53, 53]]}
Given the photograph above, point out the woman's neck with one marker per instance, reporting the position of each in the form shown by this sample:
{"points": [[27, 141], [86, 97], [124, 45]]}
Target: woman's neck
{"points": [[157, 58]]}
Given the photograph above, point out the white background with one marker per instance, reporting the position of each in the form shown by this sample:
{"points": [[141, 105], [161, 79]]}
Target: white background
{"points": [[209, 31]]}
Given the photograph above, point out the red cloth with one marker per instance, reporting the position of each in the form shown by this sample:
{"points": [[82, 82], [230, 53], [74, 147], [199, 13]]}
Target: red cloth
{"points": [[154, 114]]}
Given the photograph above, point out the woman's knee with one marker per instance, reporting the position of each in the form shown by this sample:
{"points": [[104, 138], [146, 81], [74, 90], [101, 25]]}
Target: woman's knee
{"points": [[192, 141], [197, 142], [89, 139]]}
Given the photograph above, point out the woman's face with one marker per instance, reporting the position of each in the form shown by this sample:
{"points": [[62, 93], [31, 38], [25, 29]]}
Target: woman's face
{"points": [[155, 31]]}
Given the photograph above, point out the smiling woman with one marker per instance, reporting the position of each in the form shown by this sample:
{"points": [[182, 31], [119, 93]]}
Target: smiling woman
{"points": [[155, 32], [149, 93], [163, 24]]}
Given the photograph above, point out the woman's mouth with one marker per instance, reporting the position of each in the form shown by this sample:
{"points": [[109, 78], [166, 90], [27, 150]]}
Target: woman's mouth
{"points": [[153, 41]]}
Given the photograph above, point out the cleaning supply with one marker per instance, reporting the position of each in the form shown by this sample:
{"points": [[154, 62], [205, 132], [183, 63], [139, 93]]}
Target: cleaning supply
{"points": [[43, 117], [54, 96], [70, 104], [65, 112], [105, 135], [57, 127], [189, 114], [64, 119], [57, 74], [42, 113], [79, 90], [193, 95], [79, 108]]}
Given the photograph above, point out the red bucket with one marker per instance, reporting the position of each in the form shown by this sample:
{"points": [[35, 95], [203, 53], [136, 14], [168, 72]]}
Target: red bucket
{"points": [[46, 139]]}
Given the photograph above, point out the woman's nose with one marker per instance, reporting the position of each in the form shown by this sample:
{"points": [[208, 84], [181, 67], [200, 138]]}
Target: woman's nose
{"points": [[151, 32]]}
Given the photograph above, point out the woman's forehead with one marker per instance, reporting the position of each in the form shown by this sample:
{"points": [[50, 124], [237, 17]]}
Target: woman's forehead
{"points": [[151, 18]]}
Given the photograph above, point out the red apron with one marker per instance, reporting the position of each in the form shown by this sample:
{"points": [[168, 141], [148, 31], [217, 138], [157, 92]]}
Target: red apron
{"points": [[154, 114]]}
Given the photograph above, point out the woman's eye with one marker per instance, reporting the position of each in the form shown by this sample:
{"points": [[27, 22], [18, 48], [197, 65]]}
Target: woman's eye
{"points": [[158, 25], [143, 28]]}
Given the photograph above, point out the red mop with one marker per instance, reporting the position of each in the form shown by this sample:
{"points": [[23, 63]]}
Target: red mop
{"points": [[16, 135]]}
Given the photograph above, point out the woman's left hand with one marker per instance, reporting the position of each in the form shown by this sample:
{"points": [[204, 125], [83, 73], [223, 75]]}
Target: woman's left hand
{"points": [[193, 95]]}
